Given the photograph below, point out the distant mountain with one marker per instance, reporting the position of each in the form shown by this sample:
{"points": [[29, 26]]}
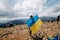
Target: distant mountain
{"points": [[22, 21], [48, 18], [16, 22]]}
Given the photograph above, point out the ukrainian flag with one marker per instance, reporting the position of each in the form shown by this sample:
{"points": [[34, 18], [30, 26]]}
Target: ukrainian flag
{"points": [[34, 24], [55, 37]]}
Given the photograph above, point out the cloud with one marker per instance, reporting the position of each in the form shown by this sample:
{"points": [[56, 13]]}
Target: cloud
{"points": [[25, 8], [51, 8], [28, 7], [40, 7], [2, 6], [6, 19], [16, 9], [19, 8]]}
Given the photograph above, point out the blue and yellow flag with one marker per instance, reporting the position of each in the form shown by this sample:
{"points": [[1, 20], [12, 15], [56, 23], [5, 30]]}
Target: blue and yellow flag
{"points": [[34, 24], [56, 37], [51, 38]]}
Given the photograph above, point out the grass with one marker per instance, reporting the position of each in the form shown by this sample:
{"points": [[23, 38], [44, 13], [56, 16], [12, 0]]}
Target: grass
{"points": [[21, 32]]}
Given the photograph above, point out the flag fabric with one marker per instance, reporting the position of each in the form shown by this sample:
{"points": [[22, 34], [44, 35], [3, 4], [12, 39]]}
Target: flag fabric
{"points": [[56, 37], [34, 24], [51, 38]]}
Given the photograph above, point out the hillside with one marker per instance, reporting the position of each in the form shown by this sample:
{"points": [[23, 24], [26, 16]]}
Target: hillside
{"points": [[21, 32]]}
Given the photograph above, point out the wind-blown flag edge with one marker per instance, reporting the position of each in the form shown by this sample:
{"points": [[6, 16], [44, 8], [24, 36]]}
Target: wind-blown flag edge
{"points": [[36, 27]]}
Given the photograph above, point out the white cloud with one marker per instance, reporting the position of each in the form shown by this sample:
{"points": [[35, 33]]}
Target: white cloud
{"points": [[25, 8], [18, 9], [28, 7], [52, 11], [33, 7], [6, 19], [2, 6]]}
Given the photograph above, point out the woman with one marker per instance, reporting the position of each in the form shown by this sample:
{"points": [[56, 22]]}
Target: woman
{"points": [[35, 37]]}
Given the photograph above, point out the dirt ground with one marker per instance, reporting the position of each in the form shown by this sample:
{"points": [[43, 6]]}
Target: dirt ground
{"points": [[21, 32]]}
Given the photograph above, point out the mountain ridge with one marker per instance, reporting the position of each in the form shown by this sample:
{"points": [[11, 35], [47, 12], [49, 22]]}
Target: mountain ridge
{"points": [[23, 21]]}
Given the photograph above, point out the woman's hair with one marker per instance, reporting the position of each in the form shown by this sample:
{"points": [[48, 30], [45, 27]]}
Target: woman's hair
{"points": [[31, 16]]}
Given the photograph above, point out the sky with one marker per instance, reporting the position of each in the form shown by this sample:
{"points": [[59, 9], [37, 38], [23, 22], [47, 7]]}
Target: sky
{"points": [[18, 9]]}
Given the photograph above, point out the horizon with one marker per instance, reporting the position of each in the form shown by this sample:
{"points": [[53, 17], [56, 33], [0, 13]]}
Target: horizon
{"points": [[25, 19]]}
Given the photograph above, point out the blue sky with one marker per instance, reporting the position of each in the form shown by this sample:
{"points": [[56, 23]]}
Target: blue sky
{"points": [[16, 9]]}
